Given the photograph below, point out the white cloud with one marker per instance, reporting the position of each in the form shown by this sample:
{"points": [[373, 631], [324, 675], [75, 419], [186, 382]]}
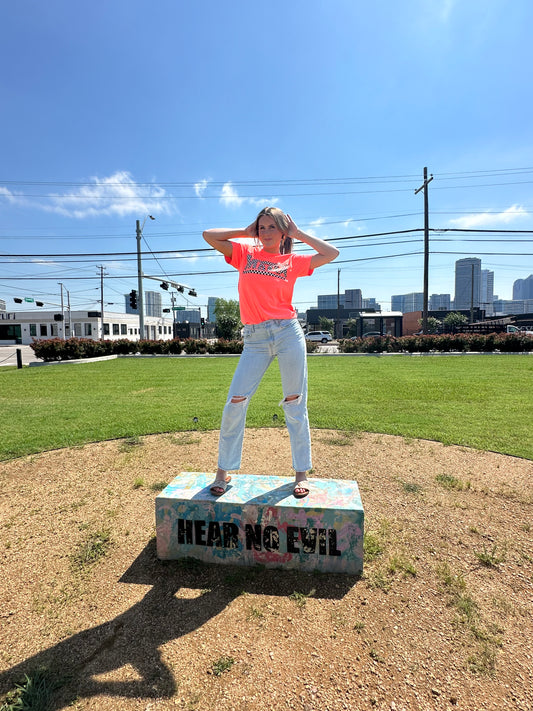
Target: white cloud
{"points": [[230, 198], [201, 187], [116, 195], [12, 197], [490, 219]]}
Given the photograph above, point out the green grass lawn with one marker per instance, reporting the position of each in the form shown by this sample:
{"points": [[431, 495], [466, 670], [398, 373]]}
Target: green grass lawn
{"points": [[479, 401]]}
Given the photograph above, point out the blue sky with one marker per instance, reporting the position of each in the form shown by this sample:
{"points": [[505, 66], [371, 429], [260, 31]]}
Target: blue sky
{"points": [[200, 113]]}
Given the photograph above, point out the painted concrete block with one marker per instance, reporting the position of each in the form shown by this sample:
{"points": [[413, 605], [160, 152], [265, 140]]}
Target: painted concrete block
{"points": [[258, 521]]}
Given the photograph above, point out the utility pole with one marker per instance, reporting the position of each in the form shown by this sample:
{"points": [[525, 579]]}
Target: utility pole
{"points": [[62, 313], [140, 295], [140, 299], [472, 296], [338, 305], [101, 268], [424, 187]]}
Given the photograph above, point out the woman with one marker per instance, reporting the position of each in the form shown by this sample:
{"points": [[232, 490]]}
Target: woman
{"points": [[267, 273]]}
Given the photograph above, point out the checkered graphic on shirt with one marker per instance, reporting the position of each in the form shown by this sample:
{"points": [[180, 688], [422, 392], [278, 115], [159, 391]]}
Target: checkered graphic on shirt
{"points": [[259, 266]]}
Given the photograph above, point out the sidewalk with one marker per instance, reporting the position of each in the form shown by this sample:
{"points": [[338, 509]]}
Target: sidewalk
{"points": [[8, 355]]}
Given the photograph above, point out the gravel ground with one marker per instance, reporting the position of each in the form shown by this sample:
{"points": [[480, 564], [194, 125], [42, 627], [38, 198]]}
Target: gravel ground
{"points": [[441, 618]]}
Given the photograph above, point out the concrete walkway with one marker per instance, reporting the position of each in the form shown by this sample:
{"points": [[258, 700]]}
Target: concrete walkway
{"points": [[8, 355]]}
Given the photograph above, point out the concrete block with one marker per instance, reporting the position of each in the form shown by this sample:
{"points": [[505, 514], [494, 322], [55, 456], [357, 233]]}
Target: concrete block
{"points": [[259, 521]]}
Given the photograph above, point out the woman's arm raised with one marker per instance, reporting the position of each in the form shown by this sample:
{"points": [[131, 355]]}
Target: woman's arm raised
{"points": [[325, 253], [218, 238]]}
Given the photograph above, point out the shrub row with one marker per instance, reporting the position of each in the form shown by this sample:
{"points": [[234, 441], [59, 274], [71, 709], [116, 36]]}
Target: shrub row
{"points": [[55, 349], [445, 343]]}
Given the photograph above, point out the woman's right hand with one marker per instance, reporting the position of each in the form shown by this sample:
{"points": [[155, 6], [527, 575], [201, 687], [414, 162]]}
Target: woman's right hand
{"points": [[250, 230]]}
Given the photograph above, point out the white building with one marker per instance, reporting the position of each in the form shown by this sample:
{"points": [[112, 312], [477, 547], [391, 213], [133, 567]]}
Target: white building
{"points": [[22, 327]]}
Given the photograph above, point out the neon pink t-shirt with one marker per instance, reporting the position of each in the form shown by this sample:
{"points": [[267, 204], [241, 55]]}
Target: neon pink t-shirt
{"points": [[266, 281]]}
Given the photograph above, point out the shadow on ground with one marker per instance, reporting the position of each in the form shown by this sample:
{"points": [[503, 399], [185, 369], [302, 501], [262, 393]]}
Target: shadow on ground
{"points": [[136, 636]]}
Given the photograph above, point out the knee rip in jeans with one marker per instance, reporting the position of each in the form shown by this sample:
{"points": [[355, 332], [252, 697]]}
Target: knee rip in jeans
{"points": [[291, 399], [238, 399]]}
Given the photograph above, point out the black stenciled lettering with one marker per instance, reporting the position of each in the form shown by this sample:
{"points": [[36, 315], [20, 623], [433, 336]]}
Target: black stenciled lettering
{"points": [[253, 536], [199, 533], [271, 538], [308, 536], [332, 537], [184, 531], [292, 538], [214, 537], [322, 547], [230, 531]]}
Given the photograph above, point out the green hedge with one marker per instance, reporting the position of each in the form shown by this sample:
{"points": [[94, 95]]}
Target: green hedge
{"points": [[55, 349], [445, 343]]}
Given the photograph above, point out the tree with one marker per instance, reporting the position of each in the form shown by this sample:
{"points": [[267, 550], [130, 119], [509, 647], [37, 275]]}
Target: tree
{"points": [[228, 320], [326, 324], [351, 323], [454, 320], [433, 324]]}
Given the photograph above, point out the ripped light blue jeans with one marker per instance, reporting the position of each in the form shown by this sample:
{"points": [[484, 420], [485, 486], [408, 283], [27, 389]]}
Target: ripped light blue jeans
{"points": [[283, 338]]}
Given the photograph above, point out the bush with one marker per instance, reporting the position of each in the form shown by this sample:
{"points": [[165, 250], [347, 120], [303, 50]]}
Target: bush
{"points": [[445, 343], [224, 346]]}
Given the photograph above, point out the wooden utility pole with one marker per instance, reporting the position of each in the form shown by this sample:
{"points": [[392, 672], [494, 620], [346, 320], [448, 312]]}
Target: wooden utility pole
{"points": [[424, 187]]}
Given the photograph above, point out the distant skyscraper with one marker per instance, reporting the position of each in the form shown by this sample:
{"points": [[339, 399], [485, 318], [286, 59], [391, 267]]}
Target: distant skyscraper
{"points": [[440, 302], [353, 299], [152, 303], [523, 288], [487, 290], [398, 303], [329, 301], [371, 304], [211, 303], [467, 273]]}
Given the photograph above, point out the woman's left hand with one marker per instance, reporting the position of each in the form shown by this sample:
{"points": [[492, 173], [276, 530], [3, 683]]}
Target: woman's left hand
{"points": [[292, 231]]}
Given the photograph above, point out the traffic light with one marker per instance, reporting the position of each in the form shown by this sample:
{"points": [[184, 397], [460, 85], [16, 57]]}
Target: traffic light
{"points": [[202, 321], [17, 300], [164, 285], [133, 299], [39, 303]]}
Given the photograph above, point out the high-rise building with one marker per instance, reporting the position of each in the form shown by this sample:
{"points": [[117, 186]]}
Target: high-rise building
{"points": [[467, 283], [152, 303], [408, 302], [440, 302], [398, 303], [329, 301], [487, 291], [353, 299], [523, 288], [211, 303], [371, 304], [503, 307]]}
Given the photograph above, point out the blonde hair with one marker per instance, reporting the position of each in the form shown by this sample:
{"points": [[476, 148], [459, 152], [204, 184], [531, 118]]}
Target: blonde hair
{"points": [[282, 223]]}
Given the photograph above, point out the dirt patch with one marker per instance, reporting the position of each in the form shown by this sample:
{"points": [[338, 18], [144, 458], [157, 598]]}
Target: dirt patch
{"points": [[441, 619]]}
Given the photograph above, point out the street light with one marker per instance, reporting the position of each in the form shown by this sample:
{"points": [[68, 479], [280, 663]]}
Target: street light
{"points": [[139, 231]]}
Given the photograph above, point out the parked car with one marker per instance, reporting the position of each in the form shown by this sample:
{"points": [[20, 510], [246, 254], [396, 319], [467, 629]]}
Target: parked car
{"points": [[322, 336]]}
